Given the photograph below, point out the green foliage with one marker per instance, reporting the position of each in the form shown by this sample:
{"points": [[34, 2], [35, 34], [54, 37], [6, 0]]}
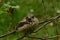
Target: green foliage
{"points": [[22, 8]]}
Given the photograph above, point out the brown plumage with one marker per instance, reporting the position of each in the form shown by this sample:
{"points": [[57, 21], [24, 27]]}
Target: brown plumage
{"points": [[29, 21]]}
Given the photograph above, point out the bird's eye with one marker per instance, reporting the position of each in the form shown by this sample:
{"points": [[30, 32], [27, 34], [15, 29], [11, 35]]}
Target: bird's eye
{"points": [[32, 16], [26, 17]]}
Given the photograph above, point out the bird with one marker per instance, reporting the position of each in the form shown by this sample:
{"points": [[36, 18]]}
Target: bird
{"points": [[28, 25], [29, 20]]}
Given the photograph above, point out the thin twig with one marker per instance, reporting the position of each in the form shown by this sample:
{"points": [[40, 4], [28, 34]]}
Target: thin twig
{"points": [[10, 12], [55, 24], [51, 37], [7, 34], [45, 9]]}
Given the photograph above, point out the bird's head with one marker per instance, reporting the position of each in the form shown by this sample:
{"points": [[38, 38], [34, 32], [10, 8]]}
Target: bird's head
{"points": [[30, 17]]}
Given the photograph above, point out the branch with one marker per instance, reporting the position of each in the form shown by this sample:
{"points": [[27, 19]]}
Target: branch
{"points": [[46, 22], [51, 37], [1, 36]]}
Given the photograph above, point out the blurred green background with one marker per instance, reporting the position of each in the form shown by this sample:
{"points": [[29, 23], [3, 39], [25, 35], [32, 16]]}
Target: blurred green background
{"points": [[43, 10]]}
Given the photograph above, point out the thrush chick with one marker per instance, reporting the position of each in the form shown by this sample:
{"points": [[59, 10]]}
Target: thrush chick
{"points": [[27, 24]]}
